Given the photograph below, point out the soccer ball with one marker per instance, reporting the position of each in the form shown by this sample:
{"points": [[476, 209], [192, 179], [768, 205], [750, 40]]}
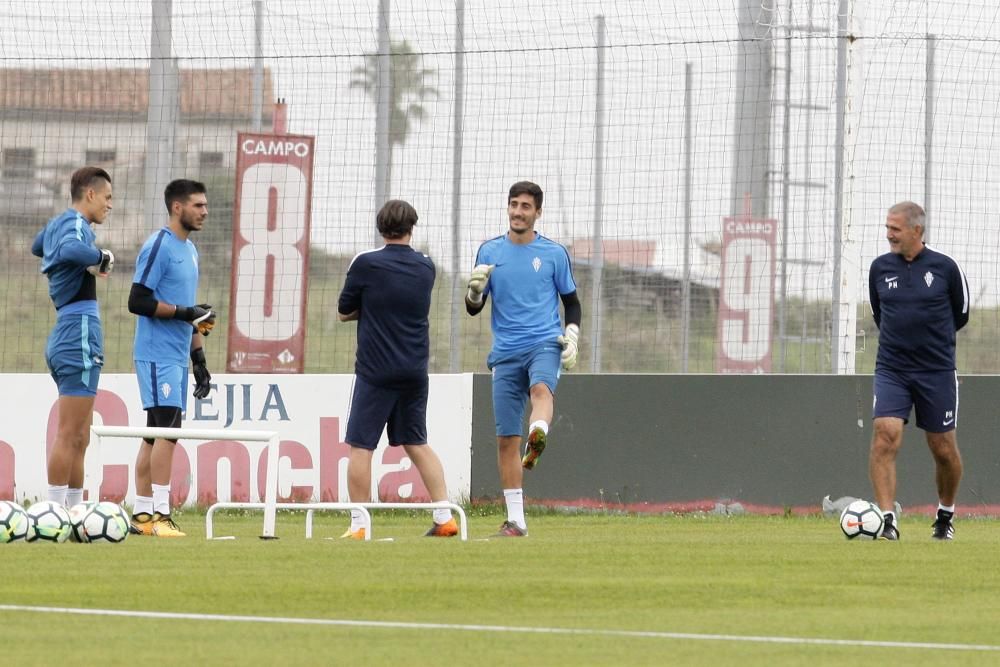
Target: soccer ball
{"points": [[13, 522], [106, 522], [76, 515], [862, 520], [48, 522]]}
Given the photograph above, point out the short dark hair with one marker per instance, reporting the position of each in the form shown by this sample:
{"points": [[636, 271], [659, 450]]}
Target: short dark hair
{"points": [[180, 189], [396, 219], [526, 188], [84, 178]]}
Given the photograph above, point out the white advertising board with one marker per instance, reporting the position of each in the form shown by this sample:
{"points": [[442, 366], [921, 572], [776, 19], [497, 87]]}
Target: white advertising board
{"points": [[309, 412]]}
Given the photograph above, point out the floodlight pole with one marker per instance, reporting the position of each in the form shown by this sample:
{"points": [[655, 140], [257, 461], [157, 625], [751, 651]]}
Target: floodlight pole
{"points": [[597, 247]]}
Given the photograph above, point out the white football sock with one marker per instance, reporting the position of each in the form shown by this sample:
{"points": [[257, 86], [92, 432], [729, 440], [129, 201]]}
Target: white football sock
{"points": [[143, 505], [442, 515], [161, 498], [946, 508], [542, 424], [514, 498], [57, 493], [357, 521], [74, 497]]}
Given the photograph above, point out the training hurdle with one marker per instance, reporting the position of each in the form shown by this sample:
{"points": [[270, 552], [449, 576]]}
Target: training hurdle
{"points": [[463, 530], [310, 507], [270, 506]]}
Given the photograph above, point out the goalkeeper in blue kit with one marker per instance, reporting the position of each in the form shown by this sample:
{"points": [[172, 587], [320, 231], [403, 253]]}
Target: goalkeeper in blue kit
{"points": [[169, 331], [74, 352], [527, 275]]}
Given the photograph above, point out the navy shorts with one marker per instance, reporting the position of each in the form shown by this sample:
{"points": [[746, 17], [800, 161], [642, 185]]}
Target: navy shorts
{"points": [[513, 377], [403, 410], [933, 395], [74, 354]]}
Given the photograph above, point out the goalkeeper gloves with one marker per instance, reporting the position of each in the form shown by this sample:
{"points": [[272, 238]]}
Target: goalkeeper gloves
{"points": [[103, 267], [201, 317], [570, 342], [477, 282], [202, 378]]}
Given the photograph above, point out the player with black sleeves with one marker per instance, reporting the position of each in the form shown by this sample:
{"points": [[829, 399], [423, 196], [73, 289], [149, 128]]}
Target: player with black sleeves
{"points": [[74, 352], [168, 331], [920, 299], [528, 276], [388, 292]]}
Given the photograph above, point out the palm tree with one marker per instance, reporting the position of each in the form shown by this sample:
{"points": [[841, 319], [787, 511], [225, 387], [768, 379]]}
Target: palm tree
{"points": [[409, 89]]}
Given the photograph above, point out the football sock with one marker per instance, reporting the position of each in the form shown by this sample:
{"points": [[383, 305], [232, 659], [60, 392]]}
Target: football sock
{"points": [[57, 493], [161, 499], [948, 510], [357, 520], [542, 424], [514, 498], [442, 515], [143, 505], [74, 497]]}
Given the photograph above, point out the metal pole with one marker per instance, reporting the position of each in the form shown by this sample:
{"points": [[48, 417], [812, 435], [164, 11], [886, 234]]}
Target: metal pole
{"points": [[686, 285], [161, 116], [257, 90], [929, 134], [786, 158], [846, 264], [752, 123], [383, 109], [597, 252], [458, 283]]}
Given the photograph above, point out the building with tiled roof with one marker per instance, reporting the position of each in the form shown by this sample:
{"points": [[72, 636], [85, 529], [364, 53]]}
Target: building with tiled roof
{"points": [[53, 121]]}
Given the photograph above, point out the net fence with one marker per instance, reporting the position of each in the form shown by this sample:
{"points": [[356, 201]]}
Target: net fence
{"points": [[719, 171]]}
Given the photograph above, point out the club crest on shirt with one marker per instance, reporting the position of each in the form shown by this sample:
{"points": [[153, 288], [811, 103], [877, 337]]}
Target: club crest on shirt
{"points": [[928, 278], [165, 390], [536, 263]]}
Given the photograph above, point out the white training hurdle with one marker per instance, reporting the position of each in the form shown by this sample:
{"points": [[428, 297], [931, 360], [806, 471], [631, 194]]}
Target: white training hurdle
{"points": [[463, 530], [310, 507], [270, 506]]}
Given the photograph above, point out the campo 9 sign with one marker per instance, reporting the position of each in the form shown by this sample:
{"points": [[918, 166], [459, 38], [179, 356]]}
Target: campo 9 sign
{"points": [[270, 253], [746, 295]]}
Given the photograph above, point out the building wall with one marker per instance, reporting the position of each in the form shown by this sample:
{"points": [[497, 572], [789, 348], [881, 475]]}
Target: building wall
{"points": [[61, 144]]}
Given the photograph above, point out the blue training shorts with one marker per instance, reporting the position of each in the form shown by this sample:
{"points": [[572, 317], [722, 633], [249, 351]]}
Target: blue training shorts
{"points": [[403, 410], [75, 354], [162, 385], [933, 395], [513, 376]]}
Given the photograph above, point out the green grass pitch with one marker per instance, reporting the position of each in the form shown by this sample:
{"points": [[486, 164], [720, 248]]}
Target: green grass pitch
{"points": [[635, 590]]}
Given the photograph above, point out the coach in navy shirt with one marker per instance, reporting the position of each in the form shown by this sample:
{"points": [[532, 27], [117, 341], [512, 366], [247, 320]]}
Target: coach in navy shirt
{"points": [[920, 299], [388, 292]]}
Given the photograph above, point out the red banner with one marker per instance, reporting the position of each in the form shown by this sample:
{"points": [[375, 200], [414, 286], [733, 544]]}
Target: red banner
{"points": [[267, 299], [746, 295]]}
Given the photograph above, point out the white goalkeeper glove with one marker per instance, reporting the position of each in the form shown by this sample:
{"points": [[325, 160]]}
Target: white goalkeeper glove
{"points": [[103, 267], [570, 342], [477, 282]]}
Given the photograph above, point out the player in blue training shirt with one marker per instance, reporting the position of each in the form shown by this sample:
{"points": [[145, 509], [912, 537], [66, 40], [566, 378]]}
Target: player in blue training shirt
{"points": [[388, 292], [75, 349], [920, 299], [169, 330], [527, 275]]}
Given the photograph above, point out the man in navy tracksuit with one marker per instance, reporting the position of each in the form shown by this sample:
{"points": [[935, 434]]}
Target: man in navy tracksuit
{"points": [[388, 292], [920, 299]]}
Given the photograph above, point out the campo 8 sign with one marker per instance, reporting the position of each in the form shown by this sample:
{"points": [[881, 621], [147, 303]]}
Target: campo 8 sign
{"points": [[270, 253], [746, 295]]}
